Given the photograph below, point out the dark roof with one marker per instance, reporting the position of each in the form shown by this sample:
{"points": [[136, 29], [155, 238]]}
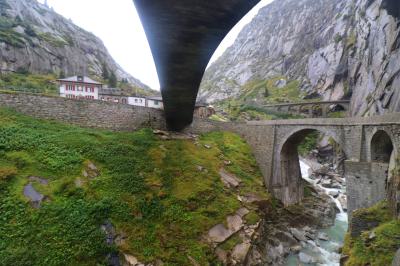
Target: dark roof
{"points": [[111, 91], [83, 80], [155, 98]]}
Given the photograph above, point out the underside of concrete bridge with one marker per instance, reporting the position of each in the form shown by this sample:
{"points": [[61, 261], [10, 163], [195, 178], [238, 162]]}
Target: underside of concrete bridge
{"points": [[183, 35]]}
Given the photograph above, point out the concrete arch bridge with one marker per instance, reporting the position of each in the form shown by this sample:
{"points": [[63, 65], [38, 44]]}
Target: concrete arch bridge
{"points": [[369, 144]]}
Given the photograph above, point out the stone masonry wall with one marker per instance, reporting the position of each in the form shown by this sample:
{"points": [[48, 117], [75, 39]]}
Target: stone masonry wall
{"points": [[366, 184], [85, 113]]}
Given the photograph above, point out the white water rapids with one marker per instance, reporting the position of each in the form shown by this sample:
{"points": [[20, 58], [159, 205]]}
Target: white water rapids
{"points": [[325, 252]]}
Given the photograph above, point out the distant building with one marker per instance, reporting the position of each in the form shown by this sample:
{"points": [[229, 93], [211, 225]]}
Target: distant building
{"points": [[113, 95], [79, 87], [137, 100], [155, 102], [203, 110]]}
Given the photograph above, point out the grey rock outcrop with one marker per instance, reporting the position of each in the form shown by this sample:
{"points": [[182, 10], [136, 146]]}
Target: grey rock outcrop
{"points": [[335, 49], [35, 38]]}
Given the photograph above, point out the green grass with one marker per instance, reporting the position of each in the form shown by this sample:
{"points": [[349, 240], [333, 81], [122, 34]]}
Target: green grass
{"points": [[29, 83], [150, 189], [380, 250]]}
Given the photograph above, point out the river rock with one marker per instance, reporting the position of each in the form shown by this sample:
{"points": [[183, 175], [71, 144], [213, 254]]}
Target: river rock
{"points": [[334, 193], [323, 236], [343, 201], [305, 258], [240, 251], [326, 183], [298, 234]]}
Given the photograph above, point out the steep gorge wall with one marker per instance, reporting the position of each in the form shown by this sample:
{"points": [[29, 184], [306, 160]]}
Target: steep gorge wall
{"points": [[35, 38], [337, 49]]}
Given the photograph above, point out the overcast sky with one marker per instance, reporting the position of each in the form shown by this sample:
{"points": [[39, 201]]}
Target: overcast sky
{"points": [[116, 22]]}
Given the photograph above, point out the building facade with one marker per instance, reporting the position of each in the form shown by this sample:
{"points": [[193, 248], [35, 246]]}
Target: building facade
{"points": [[203, 110], [155, 102], [82, 87], [137, 101], [79, 87], [113, 95]]}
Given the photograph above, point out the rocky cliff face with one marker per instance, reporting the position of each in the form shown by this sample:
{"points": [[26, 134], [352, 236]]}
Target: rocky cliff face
{"points": [[35, 38], [336, 49]]}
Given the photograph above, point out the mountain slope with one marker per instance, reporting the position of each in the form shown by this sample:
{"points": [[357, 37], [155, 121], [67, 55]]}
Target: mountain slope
{"points": [[36, 39], [335, 49]]}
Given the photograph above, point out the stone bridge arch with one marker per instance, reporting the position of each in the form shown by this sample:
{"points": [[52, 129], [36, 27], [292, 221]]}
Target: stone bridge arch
{"points": [[286, 180], [381, 145]]}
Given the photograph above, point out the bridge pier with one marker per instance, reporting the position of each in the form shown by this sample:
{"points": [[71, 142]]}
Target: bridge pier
{"points": [[366, 184]]}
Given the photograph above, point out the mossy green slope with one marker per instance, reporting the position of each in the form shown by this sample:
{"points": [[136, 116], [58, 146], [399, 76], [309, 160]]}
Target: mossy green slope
{"points": [[163, 196], [378, 246]]}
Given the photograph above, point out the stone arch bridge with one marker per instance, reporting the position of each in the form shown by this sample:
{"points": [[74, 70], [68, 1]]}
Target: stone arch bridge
{"points": [[310, 109], [369, 144]]}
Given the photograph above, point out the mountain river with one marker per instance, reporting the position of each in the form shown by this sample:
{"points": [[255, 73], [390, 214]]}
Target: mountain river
{"points": [[324, 253]]}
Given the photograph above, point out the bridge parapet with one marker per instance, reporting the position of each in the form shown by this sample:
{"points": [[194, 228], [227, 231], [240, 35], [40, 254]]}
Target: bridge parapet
{"points": [[310, 109]]}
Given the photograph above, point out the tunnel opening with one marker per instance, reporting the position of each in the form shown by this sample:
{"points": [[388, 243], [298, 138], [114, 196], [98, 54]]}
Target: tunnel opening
{"points": [[381, 147]]}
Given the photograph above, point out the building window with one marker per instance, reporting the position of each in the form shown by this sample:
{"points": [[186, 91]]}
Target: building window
{"points": [[136, 100], [155, 102]]}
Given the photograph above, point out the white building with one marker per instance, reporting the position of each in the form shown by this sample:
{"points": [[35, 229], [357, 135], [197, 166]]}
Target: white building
{"points": [[155, 102], [79, 87], [137, 101]]}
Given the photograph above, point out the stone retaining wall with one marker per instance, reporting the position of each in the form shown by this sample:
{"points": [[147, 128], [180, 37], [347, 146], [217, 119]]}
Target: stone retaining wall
{"points": [[85, 113]]}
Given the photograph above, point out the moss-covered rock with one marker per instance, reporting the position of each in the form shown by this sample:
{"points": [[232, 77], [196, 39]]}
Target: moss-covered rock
{"points": [[375, 246]]}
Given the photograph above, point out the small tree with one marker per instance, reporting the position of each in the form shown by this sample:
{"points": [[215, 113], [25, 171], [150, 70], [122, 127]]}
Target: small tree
{"points": [[266, 92], [105, 74], [61, 75], [112, 81]]}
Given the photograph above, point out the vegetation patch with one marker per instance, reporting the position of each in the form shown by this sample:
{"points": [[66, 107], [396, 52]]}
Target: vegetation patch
{"points": [[163, 196], [309, 143], [29, 83], [377, 246]]}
